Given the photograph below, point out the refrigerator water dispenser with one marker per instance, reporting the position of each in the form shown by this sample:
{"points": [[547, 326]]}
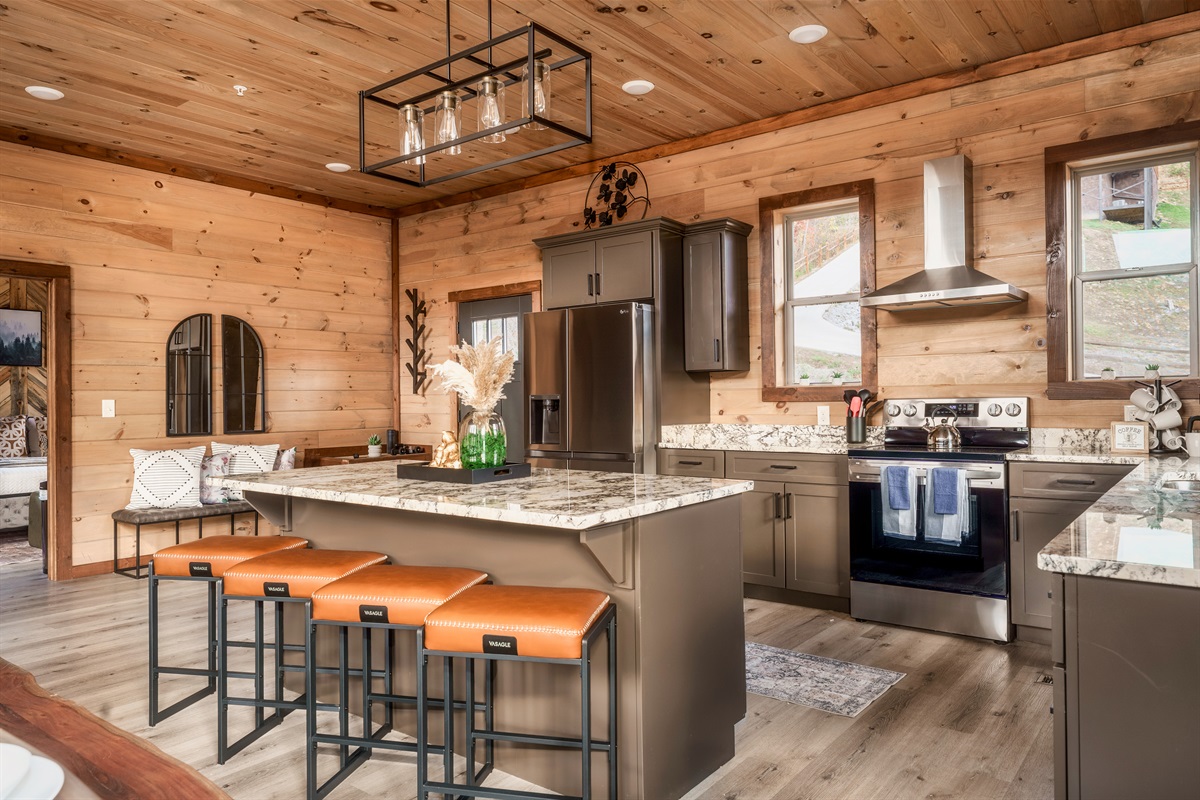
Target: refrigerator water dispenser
{"points": [[544, 420]]}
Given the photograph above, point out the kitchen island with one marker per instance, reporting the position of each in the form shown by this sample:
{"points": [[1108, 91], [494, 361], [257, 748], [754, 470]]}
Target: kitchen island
{"points": [[1126, 640], [666, 549]]}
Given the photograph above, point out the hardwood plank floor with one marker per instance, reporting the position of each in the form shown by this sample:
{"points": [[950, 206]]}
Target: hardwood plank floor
{"points": [[970, 720]]}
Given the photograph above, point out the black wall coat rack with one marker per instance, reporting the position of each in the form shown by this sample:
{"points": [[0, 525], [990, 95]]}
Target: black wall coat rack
{"points": [[416, 321]]}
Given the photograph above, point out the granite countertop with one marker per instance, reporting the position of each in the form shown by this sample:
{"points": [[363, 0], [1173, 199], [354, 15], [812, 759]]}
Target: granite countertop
{"points": [[821, 439], [1137, 531], [553, 498]]}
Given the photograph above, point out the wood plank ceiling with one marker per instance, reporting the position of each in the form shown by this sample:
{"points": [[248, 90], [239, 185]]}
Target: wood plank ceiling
{"points": [[151, 81]]}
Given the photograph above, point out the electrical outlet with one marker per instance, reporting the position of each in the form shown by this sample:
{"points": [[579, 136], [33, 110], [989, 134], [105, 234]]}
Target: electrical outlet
{"points": [[108, 408], [822, 415], [1129, 413]]}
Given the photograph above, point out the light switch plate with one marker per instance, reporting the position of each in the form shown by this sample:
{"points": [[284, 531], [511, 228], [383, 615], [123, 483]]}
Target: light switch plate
{"points": [[108, 408], [822, 415], [1129, 413]]}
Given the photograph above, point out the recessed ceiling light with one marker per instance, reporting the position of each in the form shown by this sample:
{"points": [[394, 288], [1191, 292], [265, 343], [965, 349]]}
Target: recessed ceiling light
{"points": [[637, 87], [807, 34], [45, 93], [337, 166]]}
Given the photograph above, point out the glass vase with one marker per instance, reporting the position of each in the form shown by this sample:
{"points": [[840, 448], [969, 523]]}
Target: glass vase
{"points": [[481, 440]]}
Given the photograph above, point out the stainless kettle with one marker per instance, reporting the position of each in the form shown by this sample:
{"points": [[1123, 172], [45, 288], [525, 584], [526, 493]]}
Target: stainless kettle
{"points": [[944, 436]]}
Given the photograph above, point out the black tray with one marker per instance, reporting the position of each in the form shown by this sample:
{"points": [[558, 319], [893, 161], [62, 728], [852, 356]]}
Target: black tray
{"points": [[423, 472]]}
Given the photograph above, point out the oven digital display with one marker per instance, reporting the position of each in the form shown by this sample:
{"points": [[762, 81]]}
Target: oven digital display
{"points": [[961, 410]]}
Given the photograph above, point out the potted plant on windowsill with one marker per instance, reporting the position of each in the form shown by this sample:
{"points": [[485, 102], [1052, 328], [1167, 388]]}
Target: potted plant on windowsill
{"points": [[1151, 372], [1108, 374], [805, 380], [374, 446], [837, 378]]}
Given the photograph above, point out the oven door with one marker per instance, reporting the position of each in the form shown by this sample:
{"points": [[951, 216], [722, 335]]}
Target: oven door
{"points": [[977, 565]]}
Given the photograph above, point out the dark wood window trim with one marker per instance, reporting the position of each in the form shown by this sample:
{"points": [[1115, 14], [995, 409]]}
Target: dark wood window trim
{"points": [[773, 287], [1058, 296]]}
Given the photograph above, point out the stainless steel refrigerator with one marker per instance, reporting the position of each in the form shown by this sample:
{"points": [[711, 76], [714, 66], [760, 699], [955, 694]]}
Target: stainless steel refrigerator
{"points": [[590, 388]]}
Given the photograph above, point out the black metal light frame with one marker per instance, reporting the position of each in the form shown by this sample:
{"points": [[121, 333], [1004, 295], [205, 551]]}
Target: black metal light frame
{"points": [[480, 67]]}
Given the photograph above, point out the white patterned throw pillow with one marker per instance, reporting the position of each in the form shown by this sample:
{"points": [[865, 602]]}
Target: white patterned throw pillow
{"points": [[213, 467], [246, 458], [12, 437], [166, 478]]}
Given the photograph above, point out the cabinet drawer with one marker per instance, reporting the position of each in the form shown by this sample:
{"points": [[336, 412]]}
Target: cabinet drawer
{"points": [[692, 463], [1068, 481], [795, 467]]}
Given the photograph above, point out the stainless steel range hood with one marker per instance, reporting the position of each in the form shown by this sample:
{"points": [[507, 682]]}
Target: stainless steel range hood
{"points": [[948, 279]]}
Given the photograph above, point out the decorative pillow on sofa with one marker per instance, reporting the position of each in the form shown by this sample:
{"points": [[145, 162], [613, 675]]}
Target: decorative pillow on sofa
{"points": [[37, 436], [166, 478], [286, 459], [246, 458], [12, 437], [213, 467]]}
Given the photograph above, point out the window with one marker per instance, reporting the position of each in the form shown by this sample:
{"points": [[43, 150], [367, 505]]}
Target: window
{"points": [[1123, 289], [818, 250]]}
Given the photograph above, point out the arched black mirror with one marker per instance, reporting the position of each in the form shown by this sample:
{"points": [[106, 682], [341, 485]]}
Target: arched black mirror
{"points": [[244, 377], [189, 377]]}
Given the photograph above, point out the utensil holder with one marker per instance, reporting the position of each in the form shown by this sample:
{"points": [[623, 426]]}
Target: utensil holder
{"points": [[856, 430]]}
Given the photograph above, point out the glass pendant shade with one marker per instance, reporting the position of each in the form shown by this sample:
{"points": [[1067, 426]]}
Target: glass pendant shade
{"points": [[412, 137], [447, 121], [491, 107], [539, 84]]}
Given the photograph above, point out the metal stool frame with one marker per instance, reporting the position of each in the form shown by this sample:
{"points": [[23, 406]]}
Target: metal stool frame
{"points": [[280, 707], [607, 623], [157, 670], [369, 740]]}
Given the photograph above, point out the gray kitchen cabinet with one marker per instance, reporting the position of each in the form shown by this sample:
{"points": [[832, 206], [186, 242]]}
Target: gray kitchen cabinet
{"points": [[807, 496], [716, 314], [611, 264], [691, 463], [1126, 698], [1044, 498]]}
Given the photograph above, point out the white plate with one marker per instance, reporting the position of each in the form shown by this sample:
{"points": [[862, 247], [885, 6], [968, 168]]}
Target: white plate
{"points": [[14, 763], [41, 782]]}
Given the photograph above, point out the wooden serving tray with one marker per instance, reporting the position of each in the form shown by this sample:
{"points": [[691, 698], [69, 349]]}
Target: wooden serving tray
{"points": [[424, 472]]}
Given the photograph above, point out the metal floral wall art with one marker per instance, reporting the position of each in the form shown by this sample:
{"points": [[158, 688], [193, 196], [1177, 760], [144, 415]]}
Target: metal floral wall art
{"points": [[616, 196]]}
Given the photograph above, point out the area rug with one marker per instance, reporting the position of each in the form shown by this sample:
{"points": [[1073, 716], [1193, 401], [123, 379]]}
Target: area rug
{"points": [[14, 549], [838, 687]]}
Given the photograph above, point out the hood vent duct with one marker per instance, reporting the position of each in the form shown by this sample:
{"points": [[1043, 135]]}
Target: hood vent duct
{"points": [[948, 279]]}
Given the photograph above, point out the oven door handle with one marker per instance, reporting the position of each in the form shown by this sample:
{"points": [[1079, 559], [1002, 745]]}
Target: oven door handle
{"points": [[874, 477]]}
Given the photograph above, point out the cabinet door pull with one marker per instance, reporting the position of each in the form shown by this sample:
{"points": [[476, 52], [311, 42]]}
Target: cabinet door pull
{"points": [[778, 506], [591, 276], [690, 463], [717, 351], [783, 466], [1076, 481], [597, 284], [1015, 517], [787, 506]]}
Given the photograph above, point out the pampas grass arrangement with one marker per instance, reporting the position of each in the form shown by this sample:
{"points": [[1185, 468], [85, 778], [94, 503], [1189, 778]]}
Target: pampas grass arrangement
{"points": [[479, 375]]}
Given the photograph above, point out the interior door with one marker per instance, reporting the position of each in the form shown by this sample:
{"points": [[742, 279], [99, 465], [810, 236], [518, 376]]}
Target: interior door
{"points": [[478, 322]]}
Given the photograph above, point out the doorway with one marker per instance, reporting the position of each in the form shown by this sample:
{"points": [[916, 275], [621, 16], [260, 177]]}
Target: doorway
{"points": [[57, 357], [481, 320]]}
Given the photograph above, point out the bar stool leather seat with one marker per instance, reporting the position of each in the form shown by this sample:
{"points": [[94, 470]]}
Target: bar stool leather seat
{"points": [[295, 573], [219, 552], [405, 594]]}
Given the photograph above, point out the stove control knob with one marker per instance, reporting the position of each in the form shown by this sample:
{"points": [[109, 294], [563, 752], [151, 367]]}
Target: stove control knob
{"points": [[910, 410], [893, 410], [994, 410], [1012, 409]]}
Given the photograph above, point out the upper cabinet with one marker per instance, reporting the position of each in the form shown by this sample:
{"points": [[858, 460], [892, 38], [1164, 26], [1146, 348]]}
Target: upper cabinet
{"points": [[715, 303], [189, 377], [607, 265]]}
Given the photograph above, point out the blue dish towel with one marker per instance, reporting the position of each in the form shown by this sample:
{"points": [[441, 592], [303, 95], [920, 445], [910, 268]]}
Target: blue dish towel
{"points": [[946, 527], [898, 494], [898, 522]]}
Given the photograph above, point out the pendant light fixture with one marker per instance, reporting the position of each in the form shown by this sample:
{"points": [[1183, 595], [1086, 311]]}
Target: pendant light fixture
{"points": [[475, 81]]}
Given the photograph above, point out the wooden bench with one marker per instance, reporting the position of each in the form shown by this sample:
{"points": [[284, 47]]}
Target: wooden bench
{"points": [[157, 516]]}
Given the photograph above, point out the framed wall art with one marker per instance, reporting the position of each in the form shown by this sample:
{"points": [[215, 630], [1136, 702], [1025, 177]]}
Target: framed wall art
{"points": [[20, 338]]}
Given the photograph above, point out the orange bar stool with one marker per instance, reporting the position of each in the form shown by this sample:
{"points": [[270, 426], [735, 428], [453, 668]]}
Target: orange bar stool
{"points": [[384, 597], [204, 560], [517, 623], [288, 576]]}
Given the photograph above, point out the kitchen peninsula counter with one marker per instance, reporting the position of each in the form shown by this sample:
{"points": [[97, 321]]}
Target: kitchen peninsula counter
{"points": [[666, 549]]}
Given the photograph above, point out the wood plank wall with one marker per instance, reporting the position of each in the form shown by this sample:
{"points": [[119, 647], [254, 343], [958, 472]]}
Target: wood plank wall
{"points": [[147, 250], [1002, 125], [24, 390]]}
